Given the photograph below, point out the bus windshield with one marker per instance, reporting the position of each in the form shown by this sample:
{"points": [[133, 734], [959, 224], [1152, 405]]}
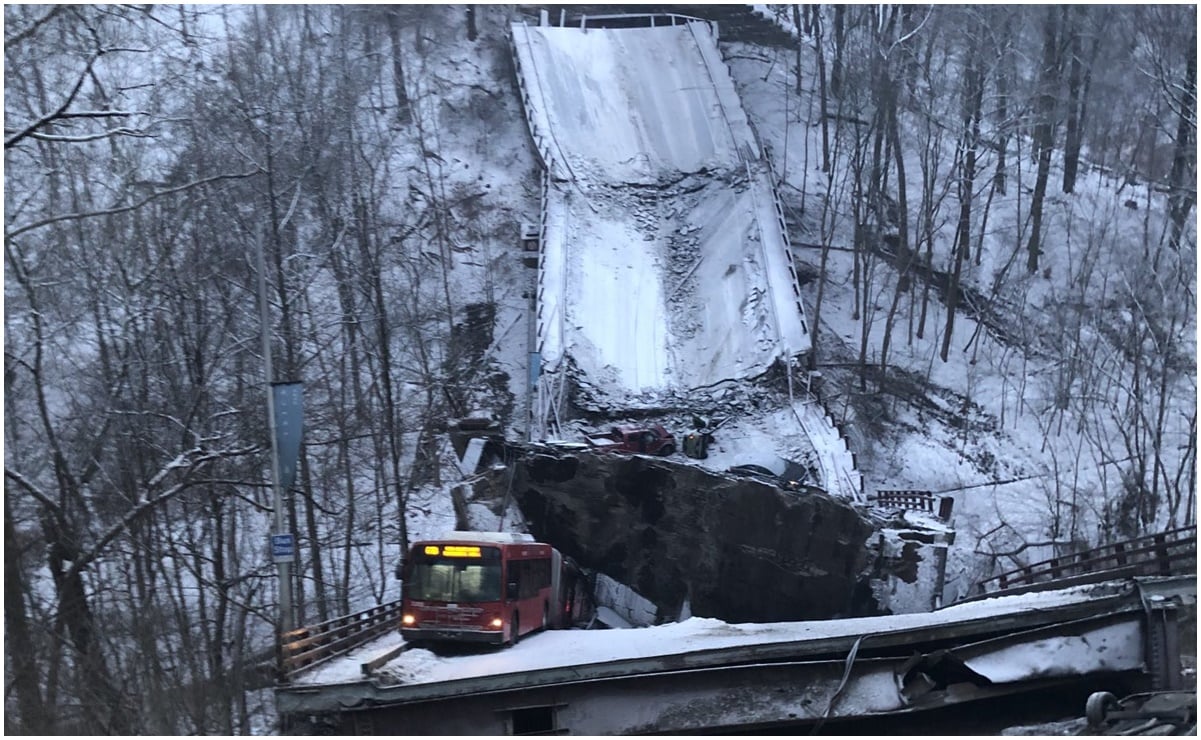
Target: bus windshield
{"points": [[454, 580]]}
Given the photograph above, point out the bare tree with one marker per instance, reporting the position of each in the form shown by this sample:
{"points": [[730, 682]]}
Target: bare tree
{"points": [[127, 445], [1080, 77], [1044, 131], [973, 97]]}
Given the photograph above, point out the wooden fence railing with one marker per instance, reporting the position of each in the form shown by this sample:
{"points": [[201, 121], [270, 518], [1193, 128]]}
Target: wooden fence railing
{"points": [[308, 646], [1168, 553]]}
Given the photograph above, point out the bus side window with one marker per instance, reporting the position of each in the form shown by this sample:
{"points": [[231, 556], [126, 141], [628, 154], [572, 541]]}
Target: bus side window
{"points": [[534, 576], [529, 586], [513, 589]]}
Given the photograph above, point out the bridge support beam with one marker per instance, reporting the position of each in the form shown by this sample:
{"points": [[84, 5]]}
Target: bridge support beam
{"points": [[1162, 644]]}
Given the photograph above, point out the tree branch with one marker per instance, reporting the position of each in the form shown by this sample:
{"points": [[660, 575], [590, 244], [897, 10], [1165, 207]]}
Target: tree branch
{"points": [[47, 118], [33, 490], [190, 460], [123, 209], [22, 35], [122, 131]]}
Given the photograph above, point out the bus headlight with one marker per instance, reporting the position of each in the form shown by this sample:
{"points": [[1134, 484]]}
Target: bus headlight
{"points": [[497, 623], [408, 620]]}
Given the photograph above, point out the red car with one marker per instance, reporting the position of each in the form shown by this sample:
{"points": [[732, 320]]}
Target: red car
{"points": [[646, 440]]}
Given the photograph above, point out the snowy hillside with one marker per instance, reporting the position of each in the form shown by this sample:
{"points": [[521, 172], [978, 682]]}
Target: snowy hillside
{"points": [[1028, 423], [976, 313]]}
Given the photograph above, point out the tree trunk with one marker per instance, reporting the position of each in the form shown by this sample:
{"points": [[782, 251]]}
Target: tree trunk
{"points": [[403, 112], [840, 38], [909, 65], [858, 215], [392, 430], [32, 718], [217, 665], [973, 96], [104, 707], [316, 553], [1044, 132], [821, 80], [1182, 177], [1071, 148], [800, 46], [904, 252], [1002, 115]]}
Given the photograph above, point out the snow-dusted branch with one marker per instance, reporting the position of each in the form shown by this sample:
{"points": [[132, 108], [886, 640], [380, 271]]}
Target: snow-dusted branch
{"points": [[911, 34], [886, 53], [121, 131], [29, 487], [93, 114], [124, 209], [57, 113], [188, 461]]}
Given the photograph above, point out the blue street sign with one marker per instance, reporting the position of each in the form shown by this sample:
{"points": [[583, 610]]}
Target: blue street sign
{"points": [[289, 425], [283, 548]]}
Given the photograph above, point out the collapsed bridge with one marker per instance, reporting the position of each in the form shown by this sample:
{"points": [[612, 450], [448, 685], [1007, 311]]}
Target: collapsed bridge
{"points": [[664, 264]]}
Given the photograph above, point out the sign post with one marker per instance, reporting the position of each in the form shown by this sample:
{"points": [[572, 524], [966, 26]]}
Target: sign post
{"points": [[280, 527]]}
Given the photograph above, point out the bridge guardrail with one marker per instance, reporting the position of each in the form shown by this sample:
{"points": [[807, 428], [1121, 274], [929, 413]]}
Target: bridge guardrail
{"points": [[604, 19], [914, 500], [1167, 553], [305, 647]]}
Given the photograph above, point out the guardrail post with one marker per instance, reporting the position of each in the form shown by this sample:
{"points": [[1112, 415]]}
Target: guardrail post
{"points": [[945, 506], [1161, 555]]}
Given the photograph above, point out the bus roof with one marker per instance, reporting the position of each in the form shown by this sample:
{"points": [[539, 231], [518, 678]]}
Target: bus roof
{"points": [[497, 537]]}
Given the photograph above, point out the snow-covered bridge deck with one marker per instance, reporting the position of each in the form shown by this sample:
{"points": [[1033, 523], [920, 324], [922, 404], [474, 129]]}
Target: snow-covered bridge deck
{"points": [[705, 674], [665, 266]]}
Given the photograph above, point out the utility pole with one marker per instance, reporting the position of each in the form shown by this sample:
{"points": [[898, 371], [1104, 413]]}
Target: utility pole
{"points": [[281, 538]]}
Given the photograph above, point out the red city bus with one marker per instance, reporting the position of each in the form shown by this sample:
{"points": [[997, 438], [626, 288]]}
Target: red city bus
{"points": [[488, 587]]}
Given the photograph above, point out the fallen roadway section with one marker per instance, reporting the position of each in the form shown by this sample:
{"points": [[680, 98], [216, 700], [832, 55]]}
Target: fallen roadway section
{"points": [[661, 237], [766, 676]]}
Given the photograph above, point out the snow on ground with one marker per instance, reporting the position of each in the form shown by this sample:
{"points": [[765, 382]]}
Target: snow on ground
{"points": [[664, 265]]}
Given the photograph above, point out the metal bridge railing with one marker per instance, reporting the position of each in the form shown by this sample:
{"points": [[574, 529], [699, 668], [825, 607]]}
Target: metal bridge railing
{"points": [[306, 647], [912, 500], [633, 20], [1168, 553]]}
